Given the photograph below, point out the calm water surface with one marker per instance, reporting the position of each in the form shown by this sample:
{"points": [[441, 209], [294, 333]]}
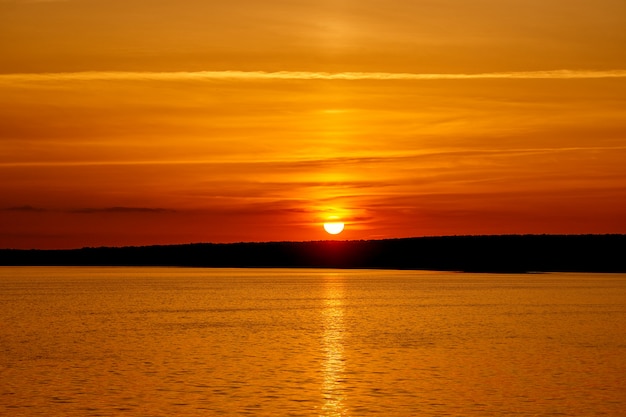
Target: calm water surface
{"points": [[206, 342]]}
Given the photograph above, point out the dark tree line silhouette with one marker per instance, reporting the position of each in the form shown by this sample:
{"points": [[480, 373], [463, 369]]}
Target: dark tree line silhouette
{"points": [[506, 253]]}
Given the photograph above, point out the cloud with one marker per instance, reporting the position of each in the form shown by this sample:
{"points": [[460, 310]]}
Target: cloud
{"points": [[117, 209], [303, 75], [313, 163], [25, 208], [34, 1], [121, 210]]}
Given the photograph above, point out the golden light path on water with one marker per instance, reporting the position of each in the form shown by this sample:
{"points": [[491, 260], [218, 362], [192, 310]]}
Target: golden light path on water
{"points": [[333, 389]]}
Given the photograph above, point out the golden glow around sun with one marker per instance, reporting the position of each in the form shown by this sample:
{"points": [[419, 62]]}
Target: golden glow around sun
{"points": [[334, 228]]}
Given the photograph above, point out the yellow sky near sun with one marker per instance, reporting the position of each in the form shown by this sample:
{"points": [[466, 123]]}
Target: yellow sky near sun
{"points": [[137, 122]]}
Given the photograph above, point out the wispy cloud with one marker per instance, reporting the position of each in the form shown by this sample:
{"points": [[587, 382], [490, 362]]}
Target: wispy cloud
{"points": [[25, 208], [34, 1], [302, 75], [317, 162], [121, 210], [116, 209]]}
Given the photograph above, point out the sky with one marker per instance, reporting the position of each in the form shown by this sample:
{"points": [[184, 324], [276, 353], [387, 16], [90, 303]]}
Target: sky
{"points": [[140, 122]]}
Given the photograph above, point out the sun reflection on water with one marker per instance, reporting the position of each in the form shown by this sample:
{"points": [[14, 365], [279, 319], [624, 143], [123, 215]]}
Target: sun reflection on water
{"points": [[333, 389]]}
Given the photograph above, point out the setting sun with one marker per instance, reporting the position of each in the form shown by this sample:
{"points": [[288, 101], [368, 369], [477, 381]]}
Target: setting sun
{"points": [[334, 228]]}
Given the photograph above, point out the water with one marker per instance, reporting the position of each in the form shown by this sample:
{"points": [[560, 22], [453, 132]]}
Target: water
{"points": [[204, 342]]}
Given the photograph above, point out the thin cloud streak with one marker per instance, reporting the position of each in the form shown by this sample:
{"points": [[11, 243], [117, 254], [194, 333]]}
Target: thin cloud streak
{"points": [[308, 162], [122, 210], [25, 208], [302, 75], [118, 209]]}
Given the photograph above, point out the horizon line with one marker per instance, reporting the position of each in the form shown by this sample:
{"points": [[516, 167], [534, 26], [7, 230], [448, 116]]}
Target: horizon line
{"points": [[373, 239]]}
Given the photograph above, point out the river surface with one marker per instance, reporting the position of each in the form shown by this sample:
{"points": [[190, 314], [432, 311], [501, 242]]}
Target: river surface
{"points": [[287, 342]]}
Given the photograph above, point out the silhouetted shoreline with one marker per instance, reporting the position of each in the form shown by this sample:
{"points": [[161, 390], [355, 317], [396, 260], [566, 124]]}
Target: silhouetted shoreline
{"points": [[497, 254]]}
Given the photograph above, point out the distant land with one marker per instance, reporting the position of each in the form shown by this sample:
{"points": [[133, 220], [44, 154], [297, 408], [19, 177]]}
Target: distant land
{"points": [[503, 253]]}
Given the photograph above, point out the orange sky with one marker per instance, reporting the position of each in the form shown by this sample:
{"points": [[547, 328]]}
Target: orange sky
{"points": [[135, 122]]}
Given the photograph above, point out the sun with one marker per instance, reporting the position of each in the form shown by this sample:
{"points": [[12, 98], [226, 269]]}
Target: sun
{"points": [[334, 228]]}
